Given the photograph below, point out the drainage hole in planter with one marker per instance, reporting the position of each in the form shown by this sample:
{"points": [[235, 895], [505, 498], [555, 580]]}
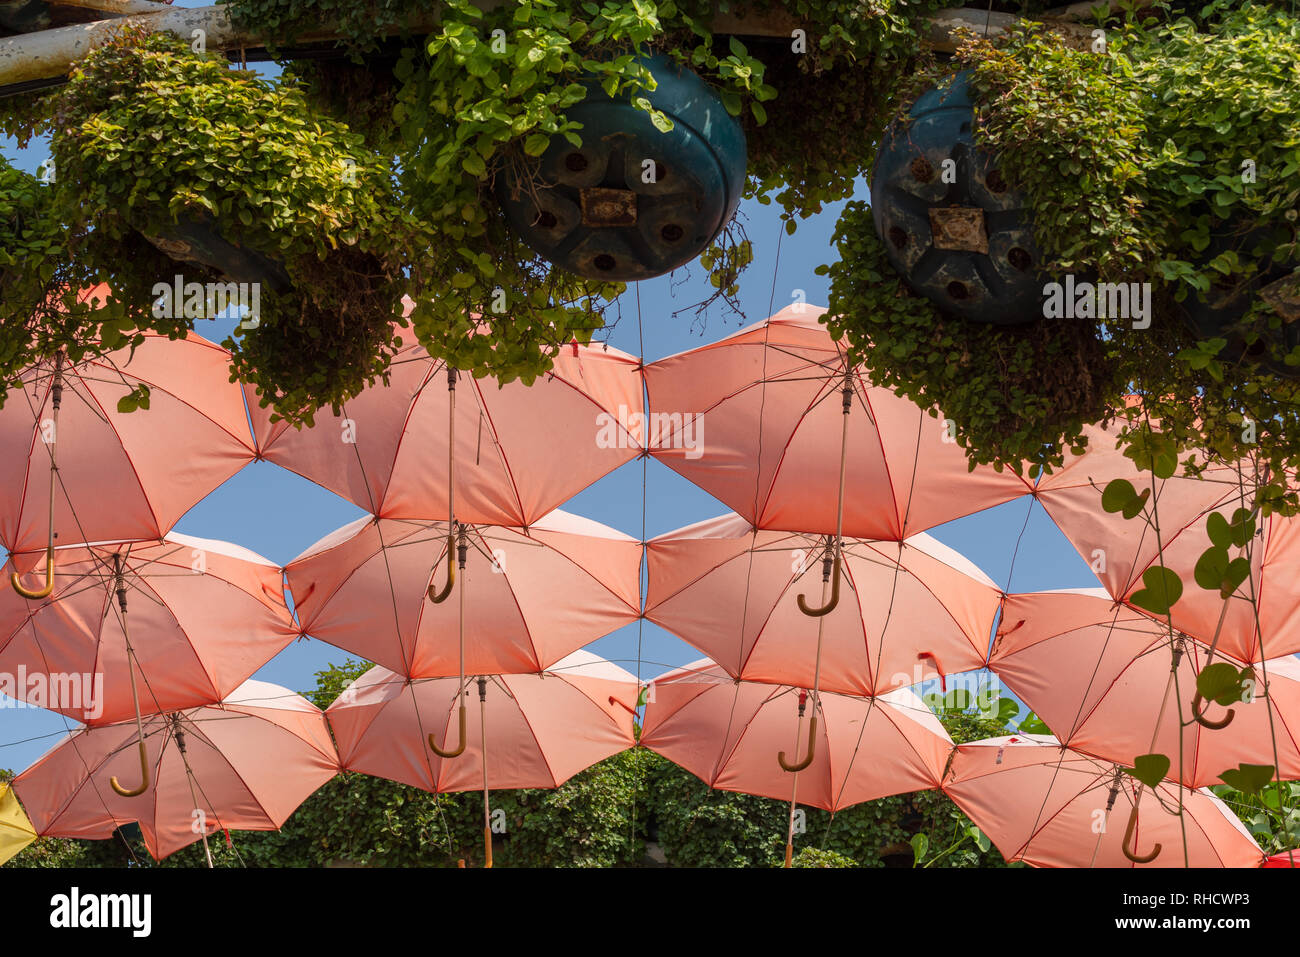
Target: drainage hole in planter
{"points": [[604, 262], [1019, 258], [671, 233], [547, 220], [575, 162], [922, 169], [958, 290], [995, 182], [898, 237]]}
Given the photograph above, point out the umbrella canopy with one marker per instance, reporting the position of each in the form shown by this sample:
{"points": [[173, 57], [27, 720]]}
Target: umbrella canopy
{"points": [[909, 610], [1049, 806], [728, 732], [1117, 549], [1284, 859], [121, 475], [1097, 673], [1274, 554], [204, 615], [387, 451], [246, 763], [541, 728], [531, 596], [16, 831], [756, 421]]}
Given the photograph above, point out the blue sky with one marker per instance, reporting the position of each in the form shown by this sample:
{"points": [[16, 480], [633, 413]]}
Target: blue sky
{"points": [[278, 514]]}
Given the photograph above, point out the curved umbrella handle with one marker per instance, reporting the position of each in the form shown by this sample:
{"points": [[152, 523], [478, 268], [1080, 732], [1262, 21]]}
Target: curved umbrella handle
{"points": [[812, 749], [1199, 715], [438, 597], [433, 746], [49, 579], [144, 774], [835, 595], [1127, 847]]}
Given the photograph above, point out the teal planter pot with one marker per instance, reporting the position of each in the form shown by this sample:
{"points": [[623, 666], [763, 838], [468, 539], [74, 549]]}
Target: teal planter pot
{"points": [[633, 202], [951, 225]]}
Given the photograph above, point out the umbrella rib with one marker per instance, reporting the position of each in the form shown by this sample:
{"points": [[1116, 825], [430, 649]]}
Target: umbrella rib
{"points": [[242, 440], [131, 463], [485, 415], [225, 759]]}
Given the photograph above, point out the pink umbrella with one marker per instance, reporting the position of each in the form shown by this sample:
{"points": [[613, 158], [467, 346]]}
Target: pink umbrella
{"points": [[544, 728], [120, 475], [724, 732], [912, 610], [1262, 616], [758, 420], [389, 449], [204, 616], [1049, 806], [1117, 549], [534, 595], [1099, 674], [246, 763]]}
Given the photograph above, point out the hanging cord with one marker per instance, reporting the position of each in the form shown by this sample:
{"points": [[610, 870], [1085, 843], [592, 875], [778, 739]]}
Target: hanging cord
{"points": [[1263, 661], [56, 401], [189, 776], [1173, 677], [120, 584], [1176, 651], [487, 809], [643, 573], [794, 784]]}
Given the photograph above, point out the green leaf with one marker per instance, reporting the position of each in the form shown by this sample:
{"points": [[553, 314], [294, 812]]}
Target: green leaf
{"points": [[1217, 527], [1150, 769], [1033, 724], [1162, 590], [536, 144], [1248, 778], [1221, 683], [920, 844], [1117, 495], [1212, 567]]}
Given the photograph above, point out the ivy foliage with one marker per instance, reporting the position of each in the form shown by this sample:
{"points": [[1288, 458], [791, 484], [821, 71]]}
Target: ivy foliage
{"points": [[150, 135], [1167, 159]]}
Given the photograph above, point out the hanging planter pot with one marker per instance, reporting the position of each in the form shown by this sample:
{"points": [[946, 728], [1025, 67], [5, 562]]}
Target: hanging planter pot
{"points": [[1213, 314], [633, 202], [951, 225], [196, 240]]}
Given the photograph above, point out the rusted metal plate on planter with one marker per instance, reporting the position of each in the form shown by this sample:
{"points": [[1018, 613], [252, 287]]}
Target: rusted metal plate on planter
{"points": [[1284, 296], [608, 207], [960, 228]]}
